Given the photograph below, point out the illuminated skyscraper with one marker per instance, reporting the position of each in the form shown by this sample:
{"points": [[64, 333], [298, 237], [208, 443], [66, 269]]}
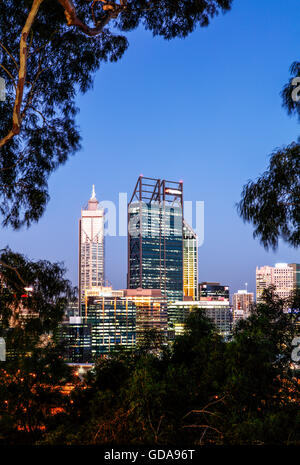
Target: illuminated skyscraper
{"points": [[190, 262], [91, 247], [155, 237]]}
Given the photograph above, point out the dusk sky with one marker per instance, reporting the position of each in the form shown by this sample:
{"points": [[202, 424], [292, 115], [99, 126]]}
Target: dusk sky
{"points": [[205, 110]]}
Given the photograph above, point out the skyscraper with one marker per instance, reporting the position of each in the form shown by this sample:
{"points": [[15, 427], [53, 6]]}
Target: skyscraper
{"points": [[190, 262], [155, 237], [91, 247], [285, 278]]}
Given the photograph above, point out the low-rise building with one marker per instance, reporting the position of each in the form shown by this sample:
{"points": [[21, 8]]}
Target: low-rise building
{"points": [[219, 312]]}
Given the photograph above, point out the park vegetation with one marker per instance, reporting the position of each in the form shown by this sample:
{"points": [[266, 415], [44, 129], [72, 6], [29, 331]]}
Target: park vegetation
{"points": [[200, 390]]}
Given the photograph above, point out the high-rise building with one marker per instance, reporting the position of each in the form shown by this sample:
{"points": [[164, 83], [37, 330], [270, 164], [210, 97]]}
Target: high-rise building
{"points": [[151, 311], [190, 262], [155, 237], [242, 302], [113, 323], [91, 247], [213, 291], [285, 277]]}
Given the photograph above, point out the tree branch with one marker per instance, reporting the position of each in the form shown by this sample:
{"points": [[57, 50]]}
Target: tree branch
{"points": [[204, 409], [10, 75], [8, 53], [15, 164], [17, 119], [15, 270], [112, 11]]}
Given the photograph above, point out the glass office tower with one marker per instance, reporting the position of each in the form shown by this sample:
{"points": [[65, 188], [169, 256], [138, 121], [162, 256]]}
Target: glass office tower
{"points": [[155, 237], [190, 262], [121, 318], [76, 337], [151, 311], [113, 323], [219, 312]]}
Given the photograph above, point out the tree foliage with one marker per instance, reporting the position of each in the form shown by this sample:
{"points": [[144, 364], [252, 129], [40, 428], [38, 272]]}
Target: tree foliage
{"points": [[272, 202], [202, 390], [33, 297], [49, 51]]}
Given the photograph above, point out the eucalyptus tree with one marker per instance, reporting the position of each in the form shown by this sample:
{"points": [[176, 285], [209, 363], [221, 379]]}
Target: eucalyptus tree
{"points": [[50, 50]]}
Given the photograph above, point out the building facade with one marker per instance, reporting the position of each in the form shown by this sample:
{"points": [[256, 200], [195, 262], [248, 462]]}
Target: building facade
{"points": [[296, 271], [219, 312], [242, 302], [77, 340], [111, 319], [213, 291], [91, 247], [155, 237], [190, 262], [113, 323], [285, 277]]}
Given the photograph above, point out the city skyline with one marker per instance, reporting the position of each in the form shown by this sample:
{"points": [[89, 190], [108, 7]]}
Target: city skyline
{"points": [[73, 274], [150, 239], [216, 150], [122, 280]]}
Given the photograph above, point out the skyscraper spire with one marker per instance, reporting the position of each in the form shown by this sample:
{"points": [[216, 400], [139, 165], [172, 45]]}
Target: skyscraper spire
{"points": [[93, 202]]}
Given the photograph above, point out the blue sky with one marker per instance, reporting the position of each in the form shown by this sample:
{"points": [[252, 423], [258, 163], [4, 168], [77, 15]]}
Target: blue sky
{"points": [[206, 110]]}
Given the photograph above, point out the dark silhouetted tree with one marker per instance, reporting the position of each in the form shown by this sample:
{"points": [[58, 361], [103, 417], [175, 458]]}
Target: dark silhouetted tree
{"points": [[272, 202], [33, 297]]}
